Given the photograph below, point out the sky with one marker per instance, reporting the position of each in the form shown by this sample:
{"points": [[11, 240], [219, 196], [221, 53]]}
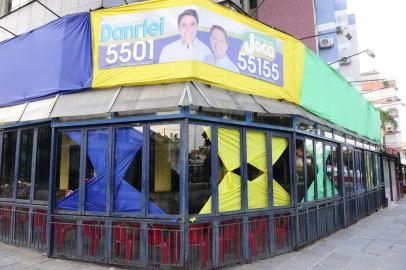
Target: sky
{"points": [[381, 27]]}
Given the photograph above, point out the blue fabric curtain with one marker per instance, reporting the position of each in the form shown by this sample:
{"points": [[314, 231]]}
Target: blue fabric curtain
{"points": [[128, 142], [53, 59]]}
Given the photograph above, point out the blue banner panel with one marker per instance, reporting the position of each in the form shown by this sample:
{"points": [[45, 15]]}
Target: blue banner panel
{"points": [[55, 58]]}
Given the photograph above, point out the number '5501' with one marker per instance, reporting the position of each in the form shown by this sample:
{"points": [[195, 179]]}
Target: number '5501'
{"points": [[256, 65], [139, 51]]}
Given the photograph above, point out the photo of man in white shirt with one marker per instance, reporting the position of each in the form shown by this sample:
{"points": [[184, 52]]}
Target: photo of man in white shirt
{"points": [[219, 47], [188, 47]]}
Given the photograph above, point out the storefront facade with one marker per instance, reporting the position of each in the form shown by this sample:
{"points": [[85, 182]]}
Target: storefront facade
{"points": [[174, 169]]}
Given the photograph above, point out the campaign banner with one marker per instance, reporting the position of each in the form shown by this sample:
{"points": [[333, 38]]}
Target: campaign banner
{"points": [[188, 33]]}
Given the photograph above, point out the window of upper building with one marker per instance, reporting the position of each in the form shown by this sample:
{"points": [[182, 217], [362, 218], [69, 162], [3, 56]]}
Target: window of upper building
{"points": [[18, 3]]}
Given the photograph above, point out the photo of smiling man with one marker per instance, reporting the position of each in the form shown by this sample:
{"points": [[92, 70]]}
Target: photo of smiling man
{"points": [[219, 47], [188, 47]]}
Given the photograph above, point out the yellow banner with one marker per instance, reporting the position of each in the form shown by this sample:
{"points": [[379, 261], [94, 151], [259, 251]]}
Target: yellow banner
{"points": [[180, 40]]}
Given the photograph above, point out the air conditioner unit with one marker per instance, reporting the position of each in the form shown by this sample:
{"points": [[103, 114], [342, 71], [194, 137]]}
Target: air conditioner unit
{"points": [[326, 42], [345, 61]]}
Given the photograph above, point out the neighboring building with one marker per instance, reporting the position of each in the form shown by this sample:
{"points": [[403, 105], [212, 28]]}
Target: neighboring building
{"points": [[383, 94], [295, 17], [304, 18], [20, 16], [4, 7]]}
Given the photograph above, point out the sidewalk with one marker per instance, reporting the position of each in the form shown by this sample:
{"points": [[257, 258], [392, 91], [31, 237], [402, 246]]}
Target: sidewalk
{"points": [[375, 242]]}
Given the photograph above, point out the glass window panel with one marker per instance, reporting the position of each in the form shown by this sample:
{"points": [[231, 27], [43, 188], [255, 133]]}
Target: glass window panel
{"points": [[18, 3], [128, 143], [42, 163], [199, 169], [228, 115], [257, 170], [96, 170], [68, 170], [281, 171], [358, 171], [368, 170], [320, 170], [305, 125], [7, 166], [351, 170], [300, 171], [285, 121], [378, 175], [25, 164], [350, 140], [335, 171], [165, 168], [229, 169], [346, 172], [328, 156], [325, 132], [310, 167], [339, 136]]}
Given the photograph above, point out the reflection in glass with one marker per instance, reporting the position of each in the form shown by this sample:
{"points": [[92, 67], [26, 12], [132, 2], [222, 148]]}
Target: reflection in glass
{"points": [[165, 167], [335, 174], [68, 168], [96, 170], [25, 164], [42, 164], [310, 167], [320, 170], [368, 169], [199, 167], [7, 166], [329, 170], [351, 172], [128, 143], [281, 171], [300, 171], [378, 175]]}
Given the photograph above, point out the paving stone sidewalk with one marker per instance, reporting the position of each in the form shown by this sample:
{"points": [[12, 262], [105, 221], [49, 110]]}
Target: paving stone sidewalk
{"points": [[375, 242]]}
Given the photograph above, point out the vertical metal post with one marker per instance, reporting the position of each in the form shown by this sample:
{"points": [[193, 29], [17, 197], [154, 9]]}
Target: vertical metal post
{"points": [[33, 171], [110, 172], [271, 222], [295, 193], [145, 192], [316, 190], [244, 193], [51, 191], [214, 187], [184, 184], [305, 171], [324, 146], [108, 225], [269, 169], [16, 164], [15, 180], [341, 183]]}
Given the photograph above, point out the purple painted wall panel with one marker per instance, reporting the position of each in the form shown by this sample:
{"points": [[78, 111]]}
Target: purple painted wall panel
{"points": [[295, 17]]}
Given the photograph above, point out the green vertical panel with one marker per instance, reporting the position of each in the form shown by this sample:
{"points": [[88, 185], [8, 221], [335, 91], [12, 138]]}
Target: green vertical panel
{"points": [[328, 95]]}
